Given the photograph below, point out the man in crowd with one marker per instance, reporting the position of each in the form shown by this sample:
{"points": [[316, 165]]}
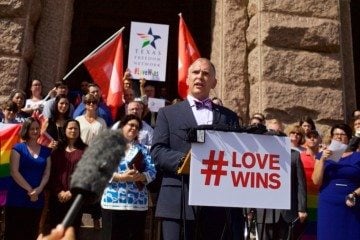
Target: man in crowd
{"points": [[148, 91], [129, 96], [146, 132], [103, 111], [169, 150], [61, 88]]}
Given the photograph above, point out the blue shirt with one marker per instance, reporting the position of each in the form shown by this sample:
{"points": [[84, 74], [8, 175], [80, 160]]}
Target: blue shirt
{"points": [[32, 170]]}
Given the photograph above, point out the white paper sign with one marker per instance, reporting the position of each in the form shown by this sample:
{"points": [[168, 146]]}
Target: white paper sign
{"points": [[337, 148], [154, 104], [148, 51], [240, 170]]}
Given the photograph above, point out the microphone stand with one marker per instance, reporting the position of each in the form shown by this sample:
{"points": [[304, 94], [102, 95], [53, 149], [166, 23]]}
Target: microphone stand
{"points": [[183, 205], [73, 211]]}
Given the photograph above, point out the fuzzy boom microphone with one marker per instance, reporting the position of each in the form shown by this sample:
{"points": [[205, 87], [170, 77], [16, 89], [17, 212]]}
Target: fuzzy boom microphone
{"points": [[94, 170]]}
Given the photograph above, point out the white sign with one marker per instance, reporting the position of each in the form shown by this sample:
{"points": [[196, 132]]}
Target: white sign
{"points": [[240, 170], [148, 51], [154, 104], [337, 148]]}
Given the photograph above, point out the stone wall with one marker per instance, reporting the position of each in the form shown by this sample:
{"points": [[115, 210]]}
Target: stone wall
{"points": [[295, 60], [229, 54], [34, 42], [52, 38], [18, 19], [283, 58]]}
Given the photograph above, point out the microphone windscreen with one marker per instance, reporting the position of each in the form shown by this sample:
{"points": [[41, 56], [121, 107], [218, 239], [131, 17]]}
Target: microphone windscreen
{"points": [[97, 165]]}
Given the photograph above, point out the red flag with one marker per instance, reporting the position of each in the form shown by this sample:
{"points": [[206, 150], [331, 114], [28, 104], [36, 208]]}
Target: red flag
{"points": [[106, 68], [45, 138], [188, 53]]}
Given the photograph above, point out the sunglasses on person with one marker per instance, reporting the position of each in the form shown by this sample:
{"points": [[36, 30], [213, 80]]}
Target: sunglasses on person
{"points": [[91, 102]]}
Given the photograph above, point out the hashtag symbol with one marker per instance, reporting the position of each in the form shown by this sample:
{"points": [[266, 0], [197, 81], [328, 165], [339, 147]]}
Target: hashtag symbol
{"points": [[214, 168]]}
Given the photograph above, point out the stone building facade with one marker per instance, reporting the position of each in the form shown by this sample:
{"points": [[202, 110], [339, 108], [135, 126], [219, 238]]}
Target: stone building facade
{"points": [[283, 58]]}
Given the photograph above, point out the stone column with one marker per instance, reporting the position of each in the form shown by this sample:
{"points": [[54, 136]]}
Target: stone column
{"points": [[52, 40], [229, 54], [347, 59], [17, 23], [295, 60]]}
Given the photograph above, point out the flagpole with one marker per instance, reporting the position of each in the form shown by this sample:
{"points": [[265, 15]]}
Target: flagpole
{"points": [[100, 46]]}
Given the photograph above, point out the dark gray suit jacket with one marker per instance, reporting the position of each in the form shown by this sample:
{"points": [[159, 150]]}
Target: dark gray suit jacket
{"points": [[170, 145], [298, 195]]}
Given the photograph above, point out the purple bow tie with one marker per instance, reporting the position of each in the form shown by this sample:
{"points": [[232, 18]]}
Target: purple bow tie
{"points": [[207, 103]]}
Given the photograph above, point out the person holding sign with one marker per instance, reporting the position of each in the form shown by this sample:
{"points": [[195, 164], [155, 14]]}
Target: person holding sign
{"points": [[170, 148], [339, 181]]}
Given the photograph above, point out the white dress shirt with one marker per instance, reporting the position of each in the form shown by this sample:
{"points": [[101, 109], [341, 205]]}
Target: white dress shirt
{"points": [[202, 116]]}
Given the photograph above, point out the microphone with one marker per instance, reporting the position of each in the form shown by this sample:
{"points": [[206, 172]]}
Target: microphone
{"points": [[196, 133], [93, 171]]}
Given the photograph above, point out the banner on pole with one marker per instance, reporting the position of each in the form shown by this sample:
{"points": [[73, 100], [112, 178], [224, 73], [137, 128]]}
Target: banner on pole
{"points": [[148, 51], [240, 170]]}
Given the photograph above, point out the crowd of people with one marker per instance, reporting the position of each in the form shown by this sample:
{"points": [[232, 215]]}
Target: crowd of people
{"points": [[324, 191]]}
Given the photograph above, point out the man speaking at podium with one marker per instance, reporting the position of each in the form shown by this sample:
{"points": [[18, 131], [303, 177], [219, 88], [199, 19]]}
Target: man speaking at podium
{"points": [[169, 149]]}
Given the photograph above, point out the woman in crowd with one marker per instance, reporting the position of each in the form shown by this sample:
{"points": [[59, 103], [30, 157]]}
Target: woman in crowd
{"points": [[297, 137], [90, 123], [35, 102], [18, 97], [312, 141], [59, 115], [63, 162], [90, 126], [339, 181], [125, 199], [30, 170], [9, 109], [307, 124]]}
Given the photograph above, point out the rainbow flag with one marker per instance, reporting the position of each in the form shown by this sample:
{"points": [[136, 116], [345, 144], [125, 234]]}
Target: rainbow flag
{"points": [[9, 135]]}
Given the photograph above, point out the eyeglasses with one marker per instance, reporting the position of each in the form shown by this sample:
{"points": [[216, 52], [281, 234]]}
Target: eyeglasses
{"points": [[91, 102], [132, 125], [296, 133], [339, 134]]}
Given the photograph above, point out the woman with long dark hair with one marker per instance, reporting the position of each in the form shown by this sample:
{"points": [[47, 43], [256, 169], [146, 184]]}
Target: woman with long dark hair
{"points": [[18, 96], [63, 162], [59, 115]]}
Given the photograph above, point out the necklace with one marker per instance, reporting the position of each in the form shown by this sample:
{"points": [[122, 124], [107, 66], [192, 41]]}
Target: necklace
{"points": [[34, 150]]}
